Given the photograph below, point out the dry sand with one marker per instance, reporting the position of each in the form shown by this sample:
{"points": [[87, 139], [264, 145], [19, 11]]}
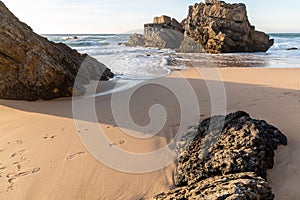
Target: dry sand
{"points": [[42, 157]]}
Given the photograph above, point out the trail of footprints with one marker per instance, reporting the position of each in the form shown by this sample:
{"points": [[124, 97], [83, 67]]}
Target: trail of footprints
{"points": [[14, 168]]}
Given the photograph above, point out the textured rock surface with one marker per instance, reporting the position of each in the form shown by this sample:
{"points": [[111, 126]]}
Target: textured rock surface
{"points": [[33, 68], [222, 28], [238, 186], [227, 162]]}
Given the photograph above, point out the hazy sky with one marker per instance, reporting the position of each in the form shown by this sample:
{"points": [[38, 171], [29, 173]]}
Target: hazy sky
{"points": [[121, 16]]}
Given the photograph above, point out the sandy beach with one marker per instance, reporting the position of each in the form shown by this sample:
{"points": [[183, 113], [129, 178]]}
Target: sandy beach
{"points": [[42, 157], [202, 102]]}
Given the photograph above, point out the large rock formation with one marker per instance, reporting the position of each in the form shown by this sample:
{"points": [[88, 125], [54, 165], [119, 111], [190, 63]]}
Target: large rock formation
{"points": [[226, 162], [164, 32], [33, 68], [222, 28], [213, 27]]}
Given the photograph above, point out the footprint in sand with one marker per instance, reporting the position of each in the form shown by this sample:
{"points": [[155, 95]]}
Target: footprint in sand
{"points": [[16, 142], [1, 150], [10, 188], [29, 172], [35, 170], [18, 164], [73, 156], [22, 160], [12, 177], [121, 142], [47, 137], [19, 167], [113, 145], [19, 142], [11, 180], [2, 169], [18, 153]]}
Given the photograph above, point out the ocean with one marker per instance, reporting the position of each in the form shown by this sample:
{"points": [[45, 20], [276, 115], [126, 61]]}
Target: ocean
{"points": [[148, 63]]}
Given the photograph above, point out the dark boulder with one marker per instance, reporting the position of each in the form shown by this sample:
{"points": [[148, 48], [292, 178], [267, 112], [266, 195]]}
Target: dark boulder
{"points": [[228, 158]]}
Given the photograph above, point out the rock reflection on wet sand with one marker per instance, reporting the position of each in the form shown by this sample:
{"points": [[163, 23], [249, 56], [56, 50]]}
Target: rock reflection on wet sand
{"points": [[221, 60]]}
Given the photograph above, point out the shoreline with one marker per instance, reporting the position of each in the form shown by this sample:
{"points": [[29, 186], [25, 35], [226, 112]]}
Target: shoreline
{"points": [[66, 169]]}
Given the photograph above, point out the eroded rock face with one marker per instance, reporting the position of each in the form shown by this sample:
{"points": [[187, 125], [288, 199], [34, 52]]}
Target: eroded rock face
{"points": [[226, 162], [222, 28], [31, 67]]}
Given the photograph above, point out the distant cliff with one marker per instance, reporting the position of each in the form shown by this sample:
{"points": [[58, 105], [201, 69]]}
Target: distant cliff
{"points": [[31, 67], [213, 27]]}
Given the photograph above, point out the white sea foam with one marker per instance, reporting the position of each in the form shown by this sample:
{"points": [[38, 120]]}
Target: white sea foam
{"points": [[147, 63]]}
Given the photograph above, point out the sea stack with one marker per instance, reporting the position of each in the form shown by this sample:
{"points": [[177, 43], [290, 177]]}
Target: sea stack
{"points": [[32, 68], [224, 28]]}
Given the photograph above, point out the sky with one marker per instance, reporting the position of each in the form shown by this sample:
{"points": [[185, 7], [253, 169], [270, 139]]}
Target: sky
{"points": [[126, 16]]}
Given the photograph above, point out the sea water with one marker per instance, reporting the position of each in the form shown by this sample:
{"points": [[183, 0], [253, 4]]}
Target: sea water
{"points": [[147, 63], [128, 62]]}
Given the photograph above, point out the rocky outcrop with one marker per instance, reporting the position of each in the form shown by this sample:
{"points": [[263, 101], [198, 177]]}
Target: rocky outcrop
{"points": [[31, 67], [213, 27], [227, 159], [223, 28], [164, 32]]}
